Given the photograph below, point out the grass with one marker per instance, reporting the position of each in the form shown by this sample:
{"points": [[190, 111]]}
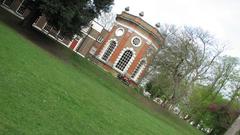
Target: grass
{"points": [[42, 95]]}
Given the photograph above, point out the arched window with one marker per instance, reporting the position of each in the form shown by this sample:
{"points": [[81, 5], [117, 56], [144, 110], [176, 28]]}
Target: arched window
{"points": [[138, 68], [122, 63], [109, 50]]}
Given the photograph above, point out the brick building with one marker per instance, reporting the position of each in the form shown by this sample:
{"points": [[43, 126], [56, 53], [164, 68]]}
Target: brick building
{"points": [[127, 49], [16, 7]]}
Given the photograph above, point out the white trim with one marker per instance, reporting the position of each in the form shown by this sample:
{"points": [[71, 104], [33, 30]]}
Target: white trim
{"points": [[93, 50], [130, 30], [87, 34], [118, 29], [79, 54], [46, 30], [35, 22], [100, 39], [3, 3], [35, 26], [11, 11], [18, 8], [59, 41], [139, 42], [129, 63], [58, 33], [140, 34], [135, 79], [105, 49], [79, 41], [96, 26], [44, 26], [50, 35]]}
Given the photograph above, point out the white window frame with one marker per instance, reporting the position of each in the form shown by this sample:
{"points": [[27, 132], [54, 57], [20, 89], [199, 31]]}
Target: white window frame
{"points": [[112, 50], [100, 39], [117, 30], [129, 62], [106, 47], [138, 33], [19, 7], [45, 25], [93, 50], [140, 69], [139, 44]]}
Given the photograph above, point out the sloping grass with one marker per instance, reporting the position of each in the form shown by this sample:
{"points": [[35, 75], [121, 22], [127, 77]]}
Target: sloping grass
{"points": [[42, 95]]}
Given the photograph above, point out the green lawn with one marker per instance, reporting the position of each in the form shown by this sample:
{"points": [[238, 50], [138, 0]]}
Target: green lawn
{"points": [[42, 95]]}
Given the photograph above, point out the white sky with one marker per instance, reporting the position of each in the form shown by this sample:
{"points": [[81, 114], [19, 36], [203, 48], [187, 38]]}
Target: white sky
{"points": [[220, 17]]}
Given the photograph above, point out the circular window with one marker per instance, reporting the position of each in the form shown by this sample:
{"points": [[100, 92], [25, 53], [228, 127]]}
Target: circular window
{"points": [[136, 41], [119, 32]]}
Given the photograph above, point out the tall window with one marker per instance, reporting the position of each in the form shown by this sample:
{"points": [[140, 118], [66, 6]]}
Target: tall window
{"points": [[122, 63], [138, 68], [109, 50]]}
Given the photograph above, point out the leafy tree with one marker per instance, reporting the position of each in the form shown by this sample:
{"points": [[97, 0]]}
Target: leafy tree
{"points": [[192, 75], [67, 15], [222, 73], [185, 58], [149, 86], [223, 76], [208, 113]]}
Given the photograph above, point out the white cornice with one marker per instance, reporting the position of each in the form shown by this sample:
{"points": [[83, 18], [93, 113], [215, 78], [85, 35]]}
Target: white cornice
{"points": [[139, 33]]}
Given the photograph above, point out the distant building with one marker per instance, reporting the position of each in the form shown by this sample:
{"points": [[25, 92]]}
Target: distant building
{"points": [[127, 49], [16, 7]]}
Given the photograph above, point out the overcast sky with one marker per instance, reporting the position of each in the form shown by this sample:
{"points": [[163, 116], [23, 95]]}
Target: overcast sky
{"points": [[220, 17]]}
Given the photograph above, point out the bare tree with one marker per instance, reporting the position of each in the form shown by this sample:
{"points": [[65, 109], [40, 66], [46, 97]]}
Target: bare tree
{"points": [[106, 19], [234, 86], [225, 71], [187, 56]]}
